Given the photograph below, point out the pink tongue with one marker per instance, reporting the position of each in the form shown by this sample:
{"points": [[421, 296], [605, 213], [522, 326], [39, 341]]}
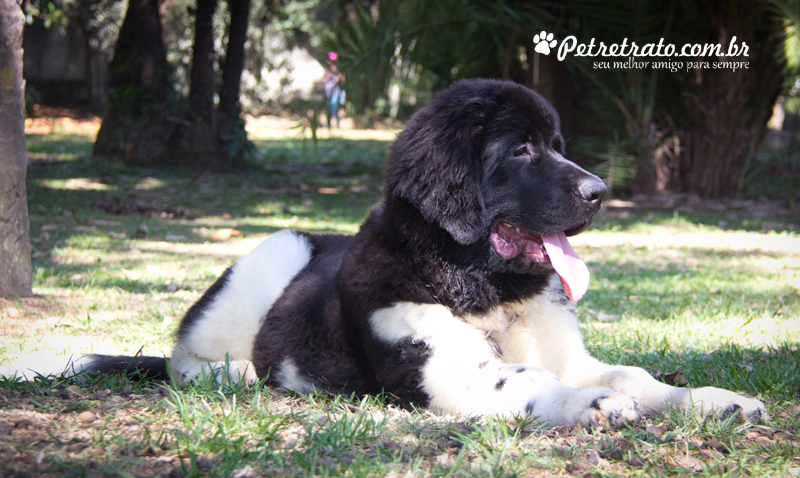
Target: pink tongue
{"points": [[570, 268]]}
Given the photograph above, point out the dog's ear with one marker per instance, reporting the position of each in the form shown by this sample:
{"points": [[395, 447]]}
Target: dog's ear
{"points": [[435, 164]]}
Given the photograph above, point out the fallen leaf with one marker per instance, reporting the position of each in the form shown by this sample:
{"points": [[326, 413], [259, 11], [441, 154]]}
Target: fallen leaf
{"points": [[716, 445], [624, 444], [781, 436], [444, 459], [246, 472], [636, 460], [763, 441], [594, 459], [76, 447], [24, 423], [689, 463], [101, 394], [224, 234], [656, 430], [710, 454]]}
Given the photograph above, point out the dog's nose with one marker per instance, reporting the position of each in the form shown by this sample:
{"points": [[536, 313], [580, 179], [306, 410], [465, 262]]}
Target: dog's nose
{"points": [[593, 190]]}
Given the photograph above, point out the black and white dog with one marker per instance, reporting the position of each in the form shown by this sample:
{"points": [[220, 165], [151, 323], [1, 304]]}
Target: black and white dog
{"points": [[457, 294]]}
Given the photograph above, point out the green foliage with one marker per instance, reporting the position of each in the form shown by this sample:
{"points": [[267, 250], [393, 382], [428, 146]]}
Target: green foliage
{"points": [[45, 10], [787, 12], [421, 46], [238, 144]]}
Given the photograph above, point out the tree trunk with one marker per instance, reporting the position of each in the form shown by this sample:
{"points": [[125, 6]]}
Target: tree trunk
{"points": [[728, 110], [200, 140], [15, 245], [135, 126], [201, 91], [234, 59], [229, 124]]}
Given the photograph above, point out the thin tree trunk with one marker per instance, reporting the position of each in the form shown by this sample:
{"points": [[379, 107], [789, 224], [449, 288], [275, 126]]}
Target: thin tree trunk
{"points": [[229, 126], [234, 59], [15, 246], [201, 94]]}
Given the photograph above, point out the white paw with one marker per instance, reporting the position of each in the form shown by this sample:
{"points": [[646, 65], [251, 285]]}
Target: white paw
{"points": [[724, 403], [610, 411], [236, 371], [239, 371], [592, 407]]}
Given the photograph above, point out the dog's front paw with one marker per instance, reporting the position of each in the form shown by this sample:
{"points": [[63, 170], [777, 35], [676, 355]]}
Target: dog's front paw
{"points": [[610, 412], [598, 407], [724, 403]]}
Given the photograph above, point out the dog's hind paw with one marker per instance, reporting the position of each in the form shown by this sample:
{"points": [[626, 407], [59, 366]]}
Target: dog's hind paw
{"points": [[238, 371], [723, 403]]}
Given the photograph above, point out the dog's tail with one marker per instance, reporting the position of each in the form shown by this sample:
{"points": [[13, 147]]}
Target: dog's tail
{"points": [[138, 367]]}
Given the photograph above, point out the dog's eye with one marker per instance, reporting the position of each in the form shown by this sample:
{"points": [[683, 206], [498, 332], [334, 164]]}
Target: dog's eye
{"points": [[521, 151]]}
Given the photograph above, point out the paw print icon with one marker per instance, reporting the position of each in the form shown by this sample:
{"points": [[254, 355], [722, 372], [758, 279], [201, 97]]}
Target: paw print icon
{"points": [[544, 42]]}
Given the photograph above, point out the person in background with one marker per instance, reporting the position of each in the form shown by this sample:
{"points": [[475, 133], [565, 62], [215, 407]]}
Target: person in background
{"points": [[334, 92]]}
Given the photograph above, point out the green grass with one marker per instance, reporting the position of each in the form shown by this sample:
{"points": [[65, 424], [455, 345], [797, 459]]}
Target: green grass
{"points": [[712, 297]]}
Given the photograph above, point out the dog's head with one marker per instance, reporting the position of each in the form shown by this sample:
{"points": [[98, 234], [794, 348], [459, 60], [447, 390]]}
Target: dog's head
{"points": [[485, 162]]}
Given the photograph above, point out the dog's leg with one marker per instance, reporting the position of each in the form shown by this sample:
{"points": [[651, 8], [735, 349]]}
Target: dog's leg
{"points": [[547, 334], [655, 397], [463, 375], [217, 333]]}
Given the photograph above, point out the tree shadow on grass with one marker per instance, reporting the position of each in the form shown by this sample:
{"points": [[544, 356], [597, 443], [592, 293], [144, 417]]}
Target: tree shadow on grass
{"points": [[102, 203]]}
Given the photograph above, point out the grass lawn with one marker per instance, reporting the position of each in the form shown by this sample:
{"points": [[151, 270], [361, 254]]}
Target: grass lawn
{"points": [[120, 253]]}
